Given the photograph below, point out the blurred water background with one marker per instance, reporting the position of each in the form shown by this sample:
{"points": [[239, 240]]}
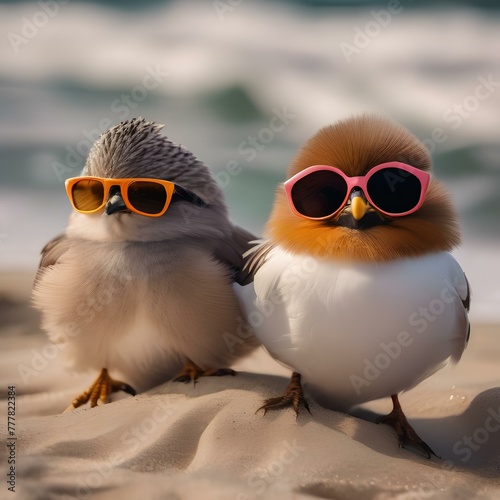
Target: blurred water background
{"points": [[217, 73]]}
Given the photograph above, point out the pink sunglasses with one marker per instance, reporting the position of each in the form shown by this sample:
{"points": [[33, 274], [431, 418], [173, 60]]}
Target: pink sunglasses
{"points": [[320, 192]]}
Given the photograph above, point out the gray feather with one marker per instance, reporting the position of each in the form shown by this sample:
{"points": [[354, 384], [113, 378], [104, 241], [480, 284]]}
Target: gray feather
{"points": [[254, 258], [53, 250], [231, 250], [139, 295], [137, 146]]}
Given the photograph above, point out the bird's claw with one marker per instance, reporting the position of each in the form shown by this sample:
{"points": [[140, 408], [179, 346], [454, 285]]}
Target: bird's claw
{"points": [[293, 396], [100, 390], [122, 386], [407, 437], [220, 372], [191, 372]]}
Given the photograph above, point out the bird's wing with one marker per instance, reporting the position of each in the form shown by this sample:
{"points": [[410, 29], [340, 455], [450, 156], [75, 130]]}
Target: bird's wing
{"points": [[460, 283], [254, 257], [466, 303], [466, 299], [52, 252], [231, 250]]}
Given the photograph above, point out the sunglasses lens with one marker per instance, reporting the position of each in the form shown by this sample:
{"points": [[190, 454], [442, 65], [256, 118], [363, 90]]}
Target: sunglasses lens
{"points": [[147, 197], [88, 195], [319, 194], [394, 190]]}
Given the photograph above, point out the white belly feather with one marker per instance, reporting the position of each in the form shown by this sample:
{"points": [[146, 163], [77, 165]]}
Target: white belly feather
{"points": [[141, 315], [358, 332]]}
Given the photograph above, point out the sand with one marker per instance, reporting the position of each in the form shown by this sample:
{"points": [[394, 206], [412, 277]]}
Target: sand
{"points": [[184, 441]]}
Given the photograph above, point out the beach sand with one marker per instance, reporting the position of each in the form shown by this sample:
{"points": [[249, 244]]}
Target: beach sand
{"points": [[185, 441]]}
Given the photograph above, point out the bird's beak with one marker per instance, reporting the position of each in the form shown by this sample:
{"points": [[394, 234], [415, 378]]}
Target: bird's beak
{"points": [[115, 204], [359, 205]]}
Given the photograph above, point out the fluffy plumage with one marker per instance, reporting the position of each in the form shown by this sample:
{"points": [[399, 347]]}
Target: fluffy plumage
{"points": [[331, 320], [339, 295], [138, 295], [355, 146]]}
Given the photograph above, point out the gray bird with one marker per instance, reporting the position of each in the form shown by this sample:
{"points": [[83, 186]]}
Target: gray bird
{"points": [[141, 284]]}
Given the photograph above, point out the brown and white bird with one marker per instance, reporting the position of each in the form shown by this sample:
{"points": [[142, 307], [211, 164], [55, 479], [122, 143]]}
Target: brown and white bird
{"points": [[141, 282], [354, 288]]}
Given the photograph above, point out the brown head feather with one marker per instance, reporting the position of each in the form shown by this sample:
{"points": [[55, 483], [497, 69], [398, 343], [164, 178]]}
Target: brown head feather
{"points": [[355, 146]]}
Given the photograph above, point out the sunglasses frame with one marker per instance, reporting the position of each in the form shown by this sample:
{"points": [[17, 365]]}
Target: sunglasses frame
{"points": [[359, 182], [170, 188]]}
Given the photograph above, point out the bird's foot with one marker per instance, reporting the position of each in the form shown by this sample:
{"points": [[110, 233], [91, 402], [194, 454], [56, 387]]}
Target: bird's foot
{"points": [[192, 372], [404, 431], [293, 396], [100, 390]]}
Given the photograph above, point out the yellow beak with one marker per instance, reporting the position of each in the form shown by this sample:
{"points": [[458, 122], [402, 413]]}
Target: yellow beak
{"points": [[359, 205]]}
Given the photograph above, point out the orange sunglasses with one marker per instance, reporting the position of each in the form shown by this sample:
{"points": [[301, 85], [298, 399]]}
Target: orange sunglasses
{"points": [[144, 196]]}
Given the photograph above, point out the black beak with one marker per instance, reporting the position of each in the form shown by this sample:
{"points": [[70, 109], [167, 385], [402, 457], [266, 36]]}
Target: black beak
{"points": [[115, 202]]}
